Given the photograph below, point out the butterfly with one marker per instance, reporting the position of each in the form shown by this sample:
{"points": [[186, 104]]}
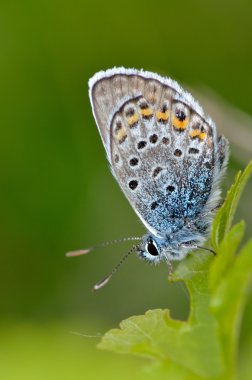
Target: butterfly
{"points": [[164, 152]]}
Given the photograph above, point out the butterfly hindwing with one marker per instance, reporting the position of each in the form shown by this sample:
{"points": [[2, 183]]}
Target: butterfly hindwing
{"points": [[161, 146]]}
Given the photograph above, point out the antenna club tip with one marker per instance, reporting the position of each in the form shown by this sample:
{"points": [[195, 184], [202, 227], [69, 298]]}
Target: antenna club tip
{"points": [[78, 252], [101, 283]]}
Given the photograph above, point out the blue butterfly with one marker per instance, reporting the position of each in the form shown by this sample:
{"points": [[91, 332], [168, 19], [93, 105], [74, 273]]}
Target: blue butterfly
{"points": [[164, 152]]}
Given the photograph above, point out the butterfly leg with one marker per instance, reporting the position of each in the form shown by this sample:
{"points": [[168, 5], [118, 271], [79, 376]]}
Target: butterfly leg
{"points": [[216, 208], [170, 268]]}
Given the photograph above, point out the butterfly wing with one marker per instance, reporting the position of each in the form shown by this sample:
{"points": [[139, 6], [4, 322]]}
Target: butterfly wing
{"points": [[162, 148]]}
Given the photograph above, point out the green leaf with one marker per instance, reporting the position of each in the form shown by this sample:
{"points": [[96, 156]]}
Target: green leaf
{"points": [[225, 215], [226, 254], [156, 335], [204, 346], [228, 302]]}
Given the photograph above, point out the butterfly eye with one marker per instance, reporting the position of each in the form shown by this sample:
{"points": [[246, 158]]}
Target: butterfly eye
{"points": [[151, 248]]}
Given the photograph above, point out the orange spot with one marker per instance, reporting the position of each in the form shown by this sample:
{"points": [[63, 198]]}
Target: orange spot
{"points": [[178, 124], [132, 119], [121, 134], [162, 115], [198, 133], [202, 136], [195, 133], [146, 112]]}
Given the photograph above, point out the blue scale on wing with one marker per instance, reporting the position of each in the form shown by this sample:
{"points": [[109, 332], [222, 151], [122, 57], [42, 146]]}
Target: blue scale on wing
{"points": [[166, 189], [176, 196]]}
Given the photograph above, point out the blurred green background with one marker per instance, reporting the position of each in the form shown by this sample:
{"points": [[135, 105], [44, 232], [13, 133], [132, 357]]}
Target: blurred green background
{"points": [[56, 189]]}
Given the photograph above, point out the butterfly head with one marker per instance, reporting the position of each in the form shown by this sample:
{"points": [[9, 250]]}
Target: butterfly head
{"points": [[170, 247], [151, 249]]}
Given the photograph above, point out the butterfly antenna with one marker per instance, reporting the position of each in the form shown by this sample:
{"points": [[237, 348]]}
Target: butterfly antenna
{"points": [[106, 279], [80, 252]]}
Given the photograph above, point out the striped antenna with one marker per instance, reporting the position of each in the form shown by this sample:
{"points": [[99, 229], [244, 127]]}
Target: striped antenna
{"points": [[80, 252], [106, 279]]}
